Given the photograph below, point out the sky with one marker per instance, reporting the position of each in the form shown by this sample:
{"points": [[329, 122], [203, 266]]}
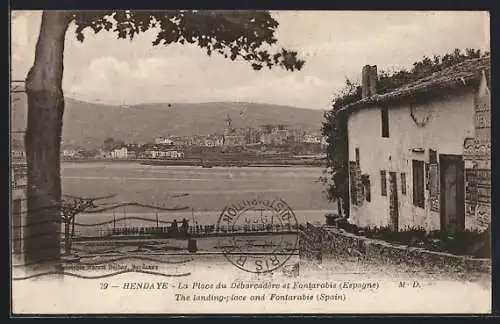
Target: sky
{"points": [[334, 44]]}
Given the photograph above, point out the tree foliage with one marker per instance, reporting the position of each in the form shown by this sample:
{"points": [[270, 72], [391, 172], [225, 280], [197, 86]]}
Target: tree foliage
{"points": [[110, 144], [335, 122], [391, 80], [70, 207], [248, 35], [335, 130]]}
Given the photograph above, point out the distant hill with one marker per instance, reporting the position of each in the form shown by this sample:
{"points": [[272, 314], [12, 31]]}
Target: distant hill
{"points": [[88, 124]]}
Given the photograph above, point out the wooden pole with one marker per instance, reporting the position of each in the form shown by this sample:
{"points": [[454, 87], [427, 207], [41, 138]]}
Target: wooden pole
{"points": [[73, 226]]}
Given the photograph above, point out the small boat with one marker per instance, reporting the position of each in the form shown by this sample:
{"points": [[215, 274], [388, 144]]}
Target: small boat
{"points": [[206, 165]]}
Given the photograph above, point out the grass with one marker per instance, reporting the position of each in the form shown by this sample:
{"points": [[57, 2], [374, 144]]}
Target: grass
{"points": [[469, 242]]}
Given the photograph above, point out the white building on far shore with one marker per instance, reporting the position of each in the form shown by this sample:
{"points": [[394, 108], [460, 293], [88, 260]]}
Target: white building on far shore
{"points": [[119, 153]]}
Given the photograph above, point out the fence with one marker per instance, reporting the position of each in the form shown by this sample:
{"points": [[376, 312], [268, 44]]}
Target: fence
{"points": [[109, 229]]}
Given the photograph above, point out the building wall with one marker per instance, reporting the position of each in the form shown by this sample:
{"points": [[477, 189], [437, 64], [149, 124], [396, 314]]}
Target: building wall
{"points": [[18, 208], [477, 158], [163, 140], [234, 140], [19, 204], [451, 120], [70, 153], [158, 154], [265, 139], [120, 153]]}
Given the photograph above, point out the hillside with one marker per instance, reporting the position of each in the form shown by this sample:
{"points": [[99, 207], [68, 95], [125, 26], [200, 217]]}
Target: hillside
{"points": [[89, 124]]}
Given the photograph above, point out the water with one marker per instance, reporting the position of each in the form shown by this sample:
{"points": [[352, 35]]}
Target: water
{"points": [[200, 193]]}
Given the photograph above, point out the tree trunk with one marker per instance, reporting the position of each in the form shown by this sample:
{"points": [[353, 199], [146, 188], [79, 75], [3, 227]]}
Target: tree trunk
{"points": [[42, 141], [345, 203], [339, 206], [73, 227]]}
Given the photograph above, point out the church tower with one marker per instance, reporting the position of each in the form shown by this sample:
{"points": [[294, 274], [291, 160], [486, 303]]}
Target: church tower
{"points": [[229, 128]]}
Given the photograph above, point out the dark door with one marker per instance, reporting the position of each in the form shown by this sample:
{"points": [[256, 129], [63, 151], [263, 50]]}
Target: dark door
{"points": [[16, 226], [452, 193], [393, 201]]}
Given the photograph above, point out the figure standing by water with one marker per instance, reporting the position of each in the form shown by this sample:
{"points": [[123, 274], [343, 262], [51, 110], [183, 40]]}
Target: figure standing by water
{"points": [[184, 227], [341, 184], [174, 228]]}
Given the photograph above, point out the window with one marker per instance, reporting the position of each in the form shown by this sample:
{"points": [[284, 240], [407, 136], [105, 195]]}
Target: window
{"points": [[357, 155], [383, 183], [385, 121], [418, 183], [403, 183]]}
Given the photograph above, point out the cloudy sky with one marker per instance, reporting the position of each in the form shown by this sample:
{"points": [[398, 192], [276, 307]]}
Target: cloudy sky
{"points": [[334, 44]]}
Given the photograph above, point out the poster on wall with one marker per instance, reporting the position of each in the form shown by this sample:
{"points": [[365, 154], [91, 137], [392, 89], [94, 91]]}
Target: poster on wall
{"points": [[359, 184], [483, 183], [471, 192], [478, 181], [482, 214], [433, 180], [434, 187]]}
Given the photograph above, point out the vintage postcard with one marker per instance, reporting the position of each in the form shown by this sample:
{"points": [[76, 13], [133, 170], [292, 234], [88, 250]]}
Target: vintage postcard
{"points": [[229, 162]]}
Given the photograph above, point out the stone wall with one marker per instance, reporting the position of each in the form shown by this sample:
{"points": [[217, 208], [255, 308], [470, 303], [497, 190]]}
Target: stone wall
{"points": [[327, 243]]}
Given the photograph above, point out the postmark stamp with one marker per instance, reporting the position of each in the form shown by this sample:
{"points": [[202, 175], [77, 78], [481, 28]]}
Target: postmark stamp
{"points": [[261, 235]]}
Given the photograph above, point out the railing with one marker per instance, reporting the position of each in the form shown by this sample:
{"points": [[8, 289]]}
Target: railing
{"points": [[191, 231]]}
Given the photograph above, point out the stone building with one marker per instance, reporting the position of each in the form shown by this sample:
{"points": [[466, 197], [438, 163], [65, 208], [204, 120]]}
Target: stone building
{"points": [[420, 155], [233, 136]]}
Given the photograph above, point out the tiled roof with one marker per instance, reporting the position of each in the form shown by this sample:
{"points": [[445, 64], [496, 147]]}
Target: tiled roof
{"points": [[461, 75]]}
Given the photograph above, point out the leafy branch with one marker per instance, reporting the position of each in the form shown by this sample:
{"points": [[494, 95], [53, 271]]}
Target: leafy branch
{"points": [[249, 35]]}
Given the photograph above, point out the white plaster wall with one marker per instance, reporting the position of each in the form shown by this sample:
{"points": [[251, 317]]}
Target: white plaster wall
{"points": [[451, 121]]}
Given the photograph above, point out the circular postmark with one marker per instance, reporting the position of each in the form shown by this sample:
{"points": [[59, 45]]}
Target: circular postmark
{"points": [[259, 235]]}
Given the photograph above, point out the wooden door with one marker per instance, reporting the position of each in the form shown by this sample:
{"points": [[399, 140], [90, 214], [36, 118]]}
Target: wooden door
{"points": [[452, 193]]}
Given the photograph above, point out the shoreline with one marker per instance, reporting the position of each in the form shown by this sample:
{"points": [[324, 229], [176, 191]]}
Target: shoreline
{"points": [[208, 163]]}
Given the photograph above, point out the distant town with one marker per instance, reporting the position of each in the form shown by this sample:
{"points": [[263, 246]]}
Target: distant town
{"points": [[242, 144]]}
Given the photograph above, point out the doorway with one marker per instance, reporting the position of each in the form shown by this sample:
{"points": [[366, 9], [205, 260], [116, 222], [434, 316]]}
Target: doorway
{"points": [[393, 201], [452, 198]]}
